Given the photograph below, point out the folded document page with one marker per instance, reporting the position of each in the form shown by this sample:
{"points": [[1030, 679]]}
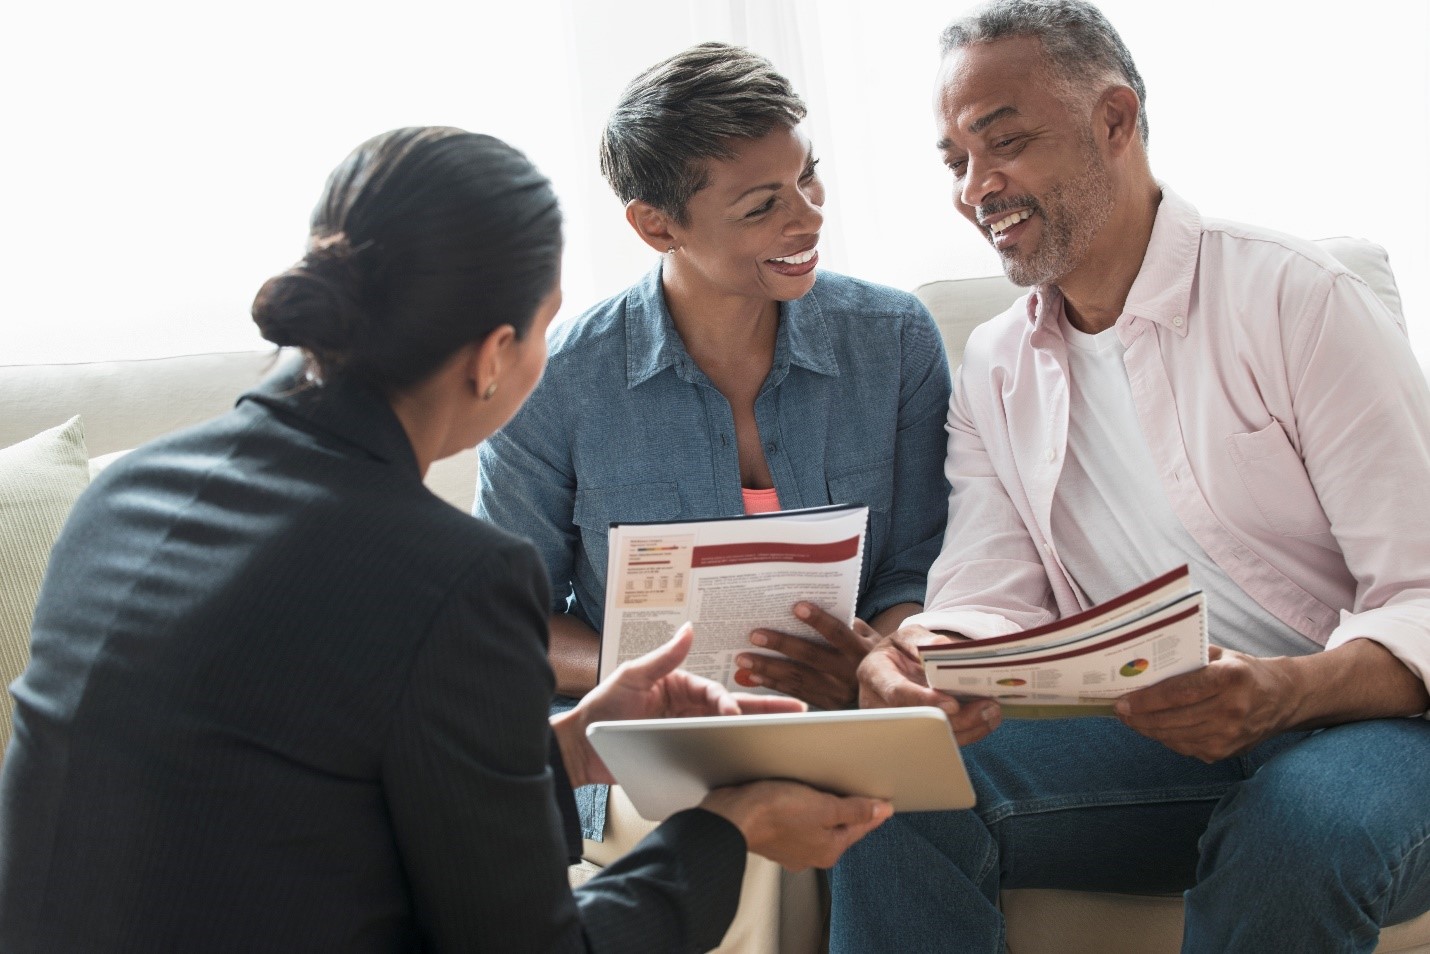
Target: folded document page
{"points": [[728, 576], [1081, 664]]}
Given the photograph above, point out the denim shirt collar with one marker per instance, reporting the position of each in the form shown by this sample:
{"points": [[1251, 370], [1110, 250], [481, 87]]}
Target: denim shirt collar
{"points": [[653, 344]]}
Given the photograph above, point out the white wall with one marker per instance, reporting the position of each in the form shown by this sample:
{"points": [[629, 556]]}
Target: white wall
{"points": [[1308, 116], [160, 158]]}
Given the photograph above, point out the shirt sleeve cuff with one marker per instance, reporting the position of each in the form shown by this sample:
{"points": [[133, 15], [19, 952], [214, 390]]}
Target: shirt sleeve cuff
{"points": [[1402, 629], [970, 623]]}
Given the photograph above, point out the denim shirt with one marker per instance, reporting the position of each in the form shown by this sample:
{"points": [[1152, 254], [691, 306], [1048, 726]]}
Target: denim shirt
{"points": [[625, 427]]}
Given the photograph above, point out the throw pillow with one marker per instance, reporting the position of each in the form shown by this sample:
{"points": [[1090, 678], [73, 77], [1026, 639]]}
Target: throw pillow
{"points": [[97, 464], [40, 479], [1371, 263]]}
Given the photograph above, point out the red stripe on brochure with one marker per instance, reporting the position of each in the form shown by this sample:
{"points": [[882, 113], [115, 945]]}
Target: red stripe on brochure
{"points": [[1015, 662], [1067, 622], [731, 554]]}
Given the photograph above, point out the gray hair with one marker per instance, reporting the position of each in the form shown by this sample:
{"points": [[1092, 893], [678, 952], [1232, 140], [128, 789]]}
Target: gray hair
{"points": [[1083, 50], [687, 110]]}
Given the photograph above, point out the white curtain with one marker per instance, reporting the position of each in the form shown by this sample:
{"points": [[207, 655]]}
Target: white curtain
{"points": [[160, 158]]}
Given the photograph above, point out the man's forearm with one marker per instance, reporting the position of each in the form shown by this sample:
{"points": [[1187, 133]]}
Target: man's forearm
{"points": [[574, 651], [892, 618], [1358, 680]]}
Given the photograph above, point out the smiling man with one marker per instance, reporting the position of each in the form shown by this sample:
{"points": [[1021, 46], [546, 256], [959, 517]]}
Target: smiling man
{"points": [[1173, 389]]}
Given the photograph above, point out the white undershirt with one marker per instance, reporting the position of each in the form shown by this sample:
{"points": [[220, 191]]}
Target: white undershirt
{"points": [[1111, 521]]}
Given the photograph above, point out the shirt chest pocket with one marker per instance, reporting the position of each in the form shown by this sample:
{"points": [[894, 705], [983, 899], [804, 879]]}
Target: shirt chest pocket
{"points": [[596, 508], [873, 486], [1276, 481]]}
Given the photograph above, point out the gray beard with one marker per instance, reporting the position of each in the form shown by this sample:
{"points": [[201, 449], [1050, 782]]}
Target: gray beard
{"points": [[1072, 213]]}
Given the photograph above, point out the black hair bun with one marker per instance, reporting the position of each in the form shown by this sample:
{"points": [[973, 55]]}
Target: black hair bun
{"points": [[317, 304]]}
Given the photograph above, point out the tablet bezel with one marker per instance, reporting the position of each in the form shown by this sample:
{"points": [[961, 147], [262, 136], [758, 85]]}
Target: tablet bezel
{"points": [[906, 755]]}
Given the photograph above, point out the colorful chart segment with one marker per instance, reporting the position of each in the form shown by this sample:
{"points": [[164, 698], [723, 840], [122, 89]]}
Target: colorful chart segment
{"points": [[1134, 667]]}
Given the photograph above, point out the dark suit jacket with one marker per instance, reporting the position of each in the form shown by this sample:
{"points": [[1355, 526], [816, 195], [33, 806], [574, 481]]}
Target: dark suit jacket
{"points": [[282, 698]]}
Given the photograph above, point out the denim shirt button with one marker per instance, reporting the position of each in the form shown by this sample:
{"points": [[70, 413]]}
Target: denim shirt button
{"points": [[772, 447]]}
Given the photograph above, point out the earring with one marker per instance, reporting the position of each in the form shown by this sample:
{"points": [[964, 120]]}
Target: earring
{"points": [[670, 250], [490, 391]]}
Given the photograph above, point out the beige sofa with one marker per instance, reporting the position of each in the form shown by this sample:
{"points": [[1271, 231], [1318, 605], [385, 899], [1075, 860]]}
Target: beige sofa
{"points": [[44, 465]]}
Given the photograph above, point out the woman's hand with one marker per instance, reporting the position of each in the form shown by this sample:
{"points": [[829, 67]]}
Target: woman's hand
{"points": [[893, 675], [795, 825], [650, 687], [823, 674]]}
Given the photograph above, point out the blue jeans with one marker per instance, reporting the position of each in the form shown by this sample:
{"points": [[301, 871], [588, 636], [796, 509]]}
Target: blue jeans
{"points": [[1310, 842], [590, 799]]}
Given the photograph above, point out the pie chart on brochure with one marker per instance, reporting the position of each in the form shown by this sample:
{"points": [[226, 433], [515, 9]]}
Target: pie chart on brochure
{"points": [[1134, 667]]}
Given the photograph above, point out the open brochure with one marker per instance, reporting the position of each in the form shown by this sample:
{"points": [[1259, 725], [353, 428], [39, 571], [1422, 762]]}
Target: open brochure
{"points": [[1081, 664], [728, 576]]}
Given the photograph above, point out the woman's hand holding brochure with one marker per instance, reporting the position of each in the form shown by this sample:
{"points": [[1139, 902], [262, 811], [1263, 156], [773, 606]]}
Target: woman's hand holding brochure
{"points": [[824, 674]]}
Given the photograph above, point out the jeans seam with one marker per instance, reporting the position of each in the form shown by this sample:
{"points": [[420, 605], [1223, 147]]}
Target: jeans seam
{"points": [[1102, 800], [1394, 878], [989, 868]]}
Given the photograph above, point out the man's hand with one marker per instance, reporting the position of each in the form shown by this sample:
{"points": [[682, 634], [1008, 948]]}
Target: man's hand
{"points": [[795, 825], [893, 675], [822, 674], [650, 687], [1230, 706]]}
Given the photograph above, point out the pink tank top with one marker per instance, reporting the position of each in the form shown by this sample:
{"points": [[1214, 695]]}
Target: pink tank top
{"points": [[760, 501]]}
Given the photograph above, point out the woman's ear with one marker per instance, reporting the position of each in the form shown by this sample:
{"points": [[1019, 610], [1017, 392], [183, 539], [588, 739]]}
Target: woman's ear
{"points": [[652, 225], [486, 361]]}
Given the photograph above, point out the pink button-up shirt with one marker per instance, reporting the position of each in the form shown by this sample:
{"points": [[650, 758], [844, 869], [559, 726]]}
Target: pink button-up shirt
{"points": [[1286, 417]]}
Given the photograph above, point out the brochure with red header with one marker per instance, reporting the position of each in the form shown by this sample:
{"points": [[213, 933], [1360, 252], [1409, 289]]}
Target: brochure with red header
{"points": [[728, 576], [1082, 663]]}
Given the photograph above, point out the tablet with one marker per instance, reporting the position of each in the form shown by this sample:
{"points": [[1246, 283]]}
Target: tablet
{"points": [[907, 756]]}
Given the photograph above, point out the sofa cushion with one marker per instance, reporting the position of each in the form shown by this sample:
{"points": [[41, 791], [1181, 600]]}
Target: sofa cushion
{"points": [[454, 479], [959, 305], [40, 479], [1047, 921], [126, 403], [1370, 262], [97, 464]]}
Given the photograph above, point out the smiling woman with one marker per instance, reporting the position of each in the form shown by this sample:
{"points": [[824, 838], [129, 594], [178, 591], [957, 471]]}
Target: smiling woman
{"points": [[750, 234], [736, 377], [764, 377]]}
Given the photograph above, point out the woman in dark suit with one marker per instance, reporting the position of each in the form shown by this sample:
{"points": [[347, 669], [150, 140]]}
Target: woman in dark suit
{"points": [[282, 698]]}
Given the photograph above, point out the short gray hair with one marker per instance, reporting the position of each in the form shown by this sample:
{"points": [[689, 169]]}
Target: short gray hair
{"points": [[1082, 47], [687, 110]]}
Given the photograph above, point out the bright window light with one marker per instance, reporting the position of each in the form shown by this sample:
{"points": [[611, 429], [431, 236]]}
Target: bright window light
{"points": [[161, 158]]}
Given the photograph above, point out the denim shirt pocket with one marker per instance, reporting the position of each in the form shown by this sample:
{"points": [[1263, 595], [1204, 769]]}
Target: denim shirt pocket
{"points": [[1277, 483], [871, 485], [596, 508]]}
